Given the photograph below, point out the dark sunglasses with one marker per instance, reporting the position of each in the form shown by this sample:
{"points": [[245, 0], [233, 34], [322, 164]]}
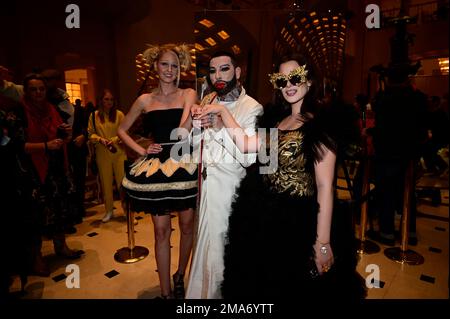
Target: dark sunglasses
{"points": [[296, 76]]}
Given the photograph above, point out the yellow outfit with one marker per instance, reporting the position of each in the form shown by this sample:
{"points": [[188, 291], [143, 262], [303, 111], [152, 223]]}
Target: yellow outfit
{"points": [[108, 163]]}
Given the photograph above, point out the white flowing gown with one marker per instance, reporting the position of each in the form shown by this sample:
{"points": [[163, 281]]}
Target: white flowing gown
{"points": [[225, 167]]}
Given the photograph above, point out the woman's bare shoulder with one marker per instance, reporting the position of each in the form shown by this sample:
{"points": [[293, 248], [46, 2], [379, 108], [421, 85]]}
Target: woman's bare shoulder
{"points": [[190, 94], [146, 97]]}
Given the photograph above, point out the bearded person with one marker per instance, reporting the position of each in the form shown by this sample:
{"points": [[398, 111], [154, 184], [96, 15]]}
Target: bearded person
{"points": [[222, 168]]}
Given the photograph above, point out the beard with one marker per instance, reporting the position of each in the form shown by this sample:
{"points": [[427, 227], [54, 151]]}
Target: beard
{"points": [[223, 87]]}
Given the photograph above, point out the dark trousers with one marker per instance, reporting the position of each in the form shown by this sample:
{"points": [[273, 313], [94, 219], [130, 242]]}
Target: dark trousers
{"points": [[389, 190]]}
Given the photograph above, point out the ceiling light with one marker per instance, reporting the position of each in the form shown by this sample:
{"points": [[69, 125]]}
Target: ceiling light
{"points": [[199, 47], [206, 23], [223, 34], [211, 41]]}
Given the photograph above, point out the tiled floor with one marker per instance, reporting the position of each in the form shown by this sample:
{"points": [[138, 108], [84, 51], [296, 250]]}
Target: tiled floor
{"points": [[100, 241], [403, 281], [429, 280], [139, 280]]}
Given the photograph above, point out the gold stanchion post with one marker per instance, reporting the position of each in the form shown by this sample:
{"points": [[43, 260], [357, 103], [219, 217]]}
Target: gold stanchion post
{"points": [[402, 254], [365, 246], [132, 253]]}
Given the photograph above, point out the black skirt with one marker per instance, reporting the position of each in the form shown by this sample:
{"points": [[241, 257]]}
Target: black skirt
{"points": [[269, 251]]}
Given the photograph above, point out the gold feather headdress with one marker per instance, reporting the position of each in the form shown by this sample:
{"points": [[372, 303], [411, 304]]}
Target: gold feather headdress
{"points": [[154, 52]]}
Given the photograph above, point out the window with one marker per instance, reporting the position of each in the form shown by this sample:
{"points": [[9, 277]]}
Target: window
{"points": [[74, 91]]}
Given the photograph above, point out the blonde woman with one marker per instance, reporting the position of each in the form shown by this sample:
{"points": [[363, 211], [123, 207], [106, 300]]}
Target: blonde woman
{"points": [[157, 183], [110, 154]]}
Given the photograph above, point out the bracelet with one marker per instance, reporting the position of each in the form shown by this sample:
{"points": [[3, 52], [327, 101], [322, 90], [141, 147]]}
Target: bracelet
{"points": [[46, 147], [323, 247]]}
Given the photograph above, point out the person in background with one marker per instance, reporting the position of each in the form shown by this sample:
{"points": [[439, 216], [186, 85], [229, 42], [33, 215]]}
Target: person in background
{"points": [[55, 94], [78, 151], [90, 108], [398, 136], [17, 188], [109, 151], [437, 136], [46, 138]]}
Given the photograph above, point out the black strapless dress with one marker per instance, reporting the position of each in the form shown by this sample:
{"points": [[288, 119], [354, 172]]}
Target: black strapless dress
{"points": [[161, 183]]}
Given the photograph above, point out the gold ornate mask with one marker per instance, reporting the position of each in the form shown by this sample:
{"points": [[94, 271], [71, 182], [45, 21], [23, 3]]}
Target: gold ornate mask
{"points": [[296, 76]]}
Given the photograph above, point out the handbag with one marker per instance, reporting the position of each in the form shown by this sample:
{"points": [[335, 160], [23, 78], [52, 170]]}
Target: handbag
{"points": [[93, 160]]}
